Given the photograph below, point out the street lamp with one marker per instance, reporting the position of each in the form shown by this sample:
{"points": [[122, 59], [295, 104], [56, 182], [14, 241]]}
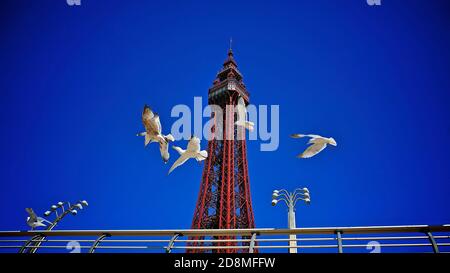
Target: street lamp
{"points": [[65, 208], [291, 198]]}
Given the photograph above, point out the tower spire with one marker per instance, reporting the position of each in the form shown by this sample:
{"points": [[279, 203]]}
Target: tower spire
{"points": [[230, 58]]}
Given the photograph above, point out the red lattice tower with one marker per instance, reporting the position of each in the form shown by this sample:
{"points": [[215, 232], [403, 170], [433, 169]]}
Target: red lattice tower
{"points": [[224, 200]]}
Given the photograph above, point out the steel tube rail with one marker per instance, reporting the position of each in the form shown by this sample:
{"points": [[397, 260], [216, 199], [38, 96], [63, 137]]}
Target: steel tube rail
{"points": [[232, 247], [267, 246], [231, 232], [235, 240], [435, 238]]}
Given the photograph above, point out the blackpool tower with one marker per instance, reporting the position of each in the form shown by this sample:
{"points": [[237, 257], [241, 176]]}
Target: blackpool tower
{"points": [[224, 200]]}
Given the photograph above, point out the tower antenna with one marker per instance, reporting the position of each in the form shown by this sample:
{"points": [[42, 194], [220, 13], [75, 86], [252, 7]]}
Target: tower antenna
{"points": [[231, 42]]}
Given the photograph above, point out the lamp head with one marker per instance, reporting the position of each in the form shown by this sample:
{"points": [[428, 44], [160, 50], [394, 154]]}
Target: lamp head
{"points": [[274, 202]]}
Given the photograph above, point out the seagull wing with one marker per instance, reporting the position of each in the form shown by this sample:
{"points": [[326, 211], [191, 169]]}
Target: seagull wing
{"points": [[180, 161], [147, 116], [193, 145], [157, 124], [178, 149], [241, 101], [307, 135], [313, 150], [153, 126], [33, 216], [241, 111]]}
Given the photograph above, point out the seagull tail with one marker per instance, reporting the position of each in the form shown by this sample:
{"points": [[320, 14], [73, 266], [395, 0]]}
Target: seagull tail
{"points": [[40, 224]]}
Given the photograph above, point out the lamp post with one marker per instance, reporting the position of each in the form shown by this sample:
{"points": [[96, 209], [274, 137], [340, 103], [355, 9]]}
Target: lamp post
{"points": [[291, 198], [64, 208]]}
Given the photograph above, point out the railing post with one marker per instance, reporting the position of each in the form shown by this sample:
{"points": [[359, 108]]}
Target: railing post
{"points": [[98, 241], [172, 242], [339, 241], [432, 241], [252, 243]]}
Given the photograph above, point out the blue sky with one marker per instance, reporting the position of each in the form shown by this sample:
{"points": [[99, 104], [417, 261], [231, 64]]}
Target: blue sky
{"points": [[73, 81]]}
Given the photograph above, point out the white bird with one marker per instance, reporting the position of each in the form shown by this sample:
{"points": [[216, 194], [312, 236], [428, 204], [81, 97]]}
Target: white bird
{"points": [[242, 116], [153, 133], [33, 220], [192, 151], [318, 144]]}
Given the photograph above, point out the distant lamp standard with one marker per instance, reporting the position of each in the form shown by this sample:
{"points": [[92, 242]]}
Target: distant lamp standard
{"points": [[291, 198], [64, 209]]}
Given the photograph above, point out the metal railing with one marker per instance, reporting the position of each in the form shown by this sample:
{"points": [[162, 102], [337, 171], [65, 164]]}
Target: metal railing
{"points": [[411, 238]]}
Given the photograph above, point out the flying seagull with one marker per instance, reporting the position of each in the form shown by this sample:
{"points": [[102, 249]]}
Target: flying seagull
{"points": [[192, 151], [318, 144], [242, 116], [152, 132], [34, 221]]}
